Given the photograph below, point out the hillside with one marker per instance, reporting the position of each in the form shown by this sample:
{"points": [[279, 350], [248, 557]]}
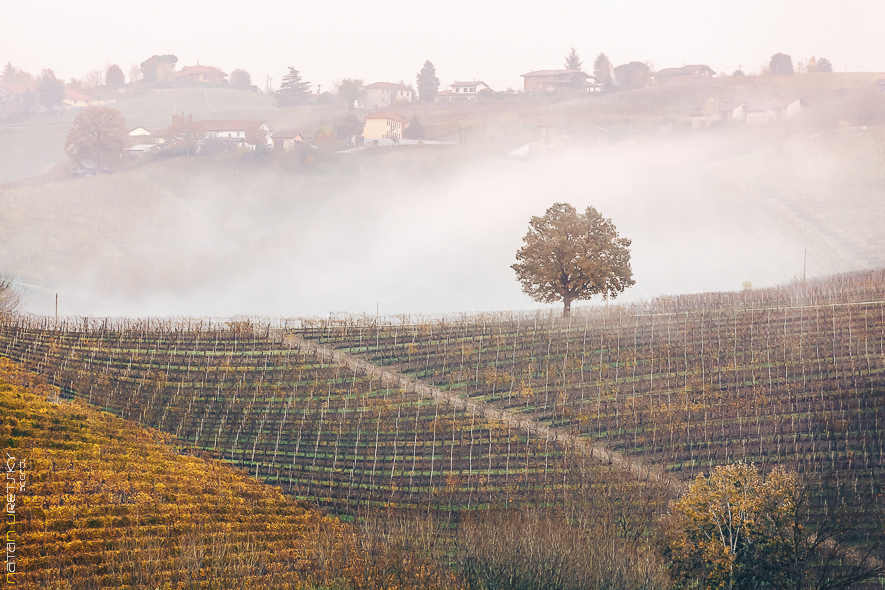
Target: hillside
{"points": [[106, 504], [789, 377]]}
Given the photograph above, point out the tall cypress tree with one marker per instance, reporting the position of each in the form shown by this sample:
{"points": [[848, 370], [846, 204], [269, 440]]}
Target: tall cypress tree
{"points": [[428, 83]]}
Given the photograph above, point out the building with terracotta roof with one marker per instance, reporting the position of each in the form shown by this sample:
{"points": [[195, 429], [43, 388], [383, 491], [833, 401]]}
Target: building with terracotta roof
{"points": [[383, 94], [198, 73], [75, 98], [546, 81]]}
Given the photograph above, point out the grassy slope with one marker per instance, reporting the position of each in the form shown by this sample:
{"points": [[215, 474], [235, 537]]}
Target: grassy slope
{"points": [[110, 505]]}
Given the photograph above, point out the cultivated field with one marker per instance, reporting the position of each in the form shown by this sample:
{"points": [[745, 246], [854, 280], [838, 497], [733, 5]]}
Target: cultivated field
{"points": [[790, 377]]}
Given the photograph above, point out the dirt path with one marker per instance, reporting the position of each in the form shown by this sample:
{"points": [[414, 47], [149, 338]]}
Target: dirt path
{"points": [[512, 419]]}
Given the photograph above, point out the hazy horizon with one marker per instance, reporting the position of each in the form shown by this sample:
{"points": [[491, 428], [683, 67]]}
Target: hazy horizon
{"points": [[491, 41]]}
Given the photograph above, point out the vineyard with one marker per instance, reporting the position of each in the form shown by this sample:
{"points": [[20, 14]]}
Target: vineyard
{"points": [[320, 431], [103, 503], [493, 410], [790, 376]]}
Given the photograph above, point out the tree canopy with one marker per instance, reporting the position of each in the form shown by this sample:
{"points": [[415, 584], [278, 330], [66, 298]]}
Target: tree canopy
{"points": [[9, 297], [114, 76], [740, 529], [603, 71], [98, 135], [567, 256], [780, 64], [573, 61], [240, 77], [349, 91], [185, 133], [50, 90], [632, 75], [824, 65], [150, 68], [415, 130], [293, 91], [428, 83]]}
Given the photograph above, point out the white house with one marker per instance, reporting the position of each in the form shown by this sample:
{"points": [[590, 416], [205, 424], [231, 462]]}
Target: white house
{"points": [[238, 132], [142, 135], [778, 109], [384, 94], [467, 90]]}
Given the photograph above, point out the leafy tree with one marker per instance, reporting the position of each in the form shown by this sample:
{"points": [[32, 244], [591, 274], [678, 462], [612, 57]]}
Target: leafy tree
{"points": [[114, 76], [738, 72], [9, 297], [569, 256], [240, 77], [151, 67], [738, 529], [185, 133], [97, 135], [415, 130], [428, 83], [50, 90], [632, 75], [348, 126], [350, 90], [824, 65], [293, 90], [780, 64], [602, 71], [573, 61]]}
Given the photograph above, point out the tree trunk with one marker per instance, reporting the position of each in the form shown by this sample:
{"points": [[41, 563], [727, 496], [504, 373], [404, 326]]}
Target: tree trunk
{"points": [[567, 309]]}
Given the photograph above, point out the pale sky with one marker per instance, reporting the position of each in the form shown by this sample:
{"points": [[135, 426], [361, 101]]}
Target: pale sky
{"points": [[490, 40]]}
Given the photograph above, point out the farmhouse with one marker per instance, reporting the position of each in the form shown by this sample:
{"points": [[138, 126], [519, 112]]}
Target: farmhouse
{"points": [[776, 110], [198, 73], [76, 99], [142, 135], [722, 113], [556, 81], [445, 96], [383, 94], [468, 90], [684, 74], [383, 129], [239, 133]]}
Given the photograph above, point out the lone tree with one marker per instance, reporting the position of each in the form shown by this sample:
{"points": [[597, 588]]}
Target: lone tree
{"points": [[569, 256], [740, 529], [428, 83], [824, 65], [97, 136], [780, 64], [573, 60], [293, 90], [415, 130]]}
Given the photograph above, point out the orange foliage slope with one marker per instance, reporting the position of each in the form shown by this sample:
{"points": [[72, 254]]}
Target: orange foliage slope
{"points": [[110, 505]]}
